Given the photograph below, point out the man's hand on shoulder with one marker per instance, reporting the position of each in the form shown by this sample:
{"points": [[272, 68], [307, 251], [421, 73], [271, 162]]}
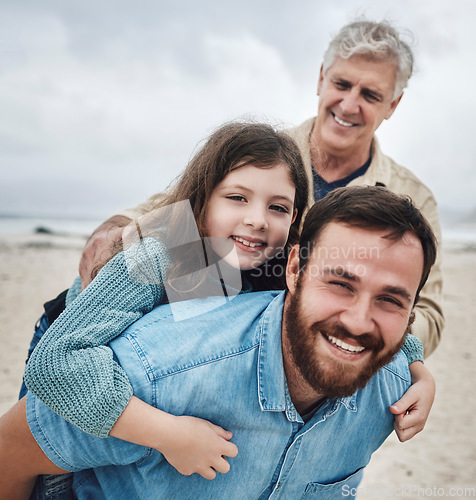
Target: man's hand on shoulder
{"points": [[100, 247]]}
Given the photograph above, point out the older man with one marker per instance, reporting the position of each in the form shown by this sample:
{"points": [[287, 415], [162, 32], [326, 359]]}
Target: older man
{"points": [[303, 378], [365, 69]]}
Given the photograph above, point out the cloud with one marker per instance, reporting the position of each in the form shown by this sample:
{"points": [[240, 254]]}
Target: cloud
{"points": [[67, 117], [118, 95]]}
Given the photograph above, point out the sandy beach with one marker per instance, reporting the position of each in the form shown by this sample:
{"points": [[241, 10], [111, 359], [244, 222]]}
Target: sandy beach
{"points": [[438, 463]]}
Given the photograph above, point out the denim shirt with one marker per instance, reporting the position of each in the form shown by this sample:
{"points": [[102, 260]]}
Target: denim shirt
{"points": [[224, 364]]}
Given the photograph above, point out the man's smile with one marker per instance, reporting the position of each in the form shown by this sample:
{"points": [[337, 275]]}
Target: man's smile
{"points": [[343, 345], [342, 122]]}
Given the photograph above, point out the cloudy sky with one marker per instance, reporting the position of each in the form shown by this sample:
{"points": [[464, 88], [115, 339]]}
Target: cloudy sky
{"points": [[102, 103]]}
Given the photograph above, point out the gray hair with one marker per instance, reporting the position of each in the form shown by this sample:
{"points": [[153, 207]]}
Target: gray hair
{"points": [[375, 40]]}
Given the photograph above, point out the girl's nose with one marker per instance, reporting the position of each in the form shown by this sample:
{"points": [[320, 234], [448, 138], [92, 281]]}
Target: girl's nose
{"points": [[256, 218]]}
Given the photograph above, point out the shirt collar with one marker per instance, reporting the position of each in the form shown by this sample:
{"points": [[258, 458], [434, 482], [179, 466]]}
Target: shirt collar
{"points": [[271, 378], [272, 387]]}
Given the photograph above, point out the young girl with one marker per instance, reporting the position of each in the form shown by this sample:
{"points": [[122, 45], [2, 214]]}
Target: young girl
{"points": [[247, 190]]}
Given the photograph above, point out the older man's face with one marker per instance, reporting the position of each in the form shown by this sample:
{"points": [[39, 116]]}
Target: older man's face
{"points": [[355, 96], [349, 310]]}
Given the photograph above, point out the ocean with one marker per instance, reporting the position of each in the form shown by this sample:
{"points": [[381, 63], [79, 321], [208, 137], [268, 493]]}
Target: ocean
{"points": [[459, 233], [84, 226], [67, 226]]}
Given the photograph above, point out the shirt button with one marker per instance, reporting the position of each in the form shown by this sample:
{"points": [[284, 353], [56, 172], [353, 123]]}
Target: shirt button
{"points": [[278, 485]]}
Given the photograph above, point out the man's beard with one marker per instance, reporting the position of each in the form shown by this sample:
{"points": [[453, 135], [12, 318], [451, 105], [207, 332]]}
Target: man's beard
{"points": [[330, 377]]}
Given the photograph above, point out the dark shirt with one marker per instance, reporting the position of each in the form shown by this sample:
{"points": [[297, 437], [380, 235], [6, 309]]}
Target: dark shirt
{"points": [[321, 187]]}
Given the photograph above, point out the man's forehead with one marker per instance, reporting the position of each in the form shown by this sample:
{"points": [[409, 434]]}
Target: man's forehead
{"points": [[362, 59], [347, 234], [355, 252], [339, 239]]}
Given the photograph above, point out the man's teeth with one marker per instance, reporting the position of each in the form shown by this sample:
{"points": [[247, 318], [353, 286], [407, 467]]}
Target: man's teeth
{"points": [[247, 243], [344, 346], [342, 122]]}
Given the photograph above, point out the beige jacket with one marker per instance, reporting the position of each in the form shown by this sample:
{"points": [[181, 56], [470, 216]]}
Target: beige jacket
{"points": [[429, 319]]}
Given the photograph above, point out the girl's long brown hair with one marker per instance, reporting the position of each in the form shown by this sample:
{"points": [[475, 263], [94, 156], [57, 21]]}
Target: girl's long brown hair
{"points": [[231, 146]]}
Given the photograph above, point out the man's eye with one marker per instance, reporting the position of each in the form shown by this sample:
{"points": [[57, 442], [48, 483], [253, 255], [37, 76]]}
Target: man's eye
{"points": [[371, 97], [341, 284], [341, 85], [279, 208], [236, 197], [391, 301]]}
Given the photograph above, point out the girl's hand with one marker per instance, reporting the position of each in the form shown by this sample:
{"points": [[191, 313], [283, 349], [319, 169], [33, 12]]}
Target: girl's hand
{"points": [[412, 410], [189, 444], [196, 445]]}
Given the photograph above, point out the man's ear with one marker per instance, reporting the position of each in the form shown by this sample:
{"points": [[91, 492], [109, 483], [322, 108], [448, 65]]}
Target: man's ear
{"points": [[292, 268], [321, 79], [393, 106], [410, 322]]}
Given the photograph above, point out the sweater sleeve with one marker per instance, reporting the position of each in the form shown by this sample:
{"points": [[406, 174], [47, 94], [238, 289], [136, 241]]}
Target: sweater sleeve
{"points": [[72, 370], [413, 348]]}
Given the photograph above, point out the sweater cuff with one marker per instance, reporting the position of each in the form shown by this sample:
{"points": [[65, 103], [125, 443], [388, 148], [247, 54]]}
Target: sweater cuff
{"points": [[413, 349], [116, 412]]}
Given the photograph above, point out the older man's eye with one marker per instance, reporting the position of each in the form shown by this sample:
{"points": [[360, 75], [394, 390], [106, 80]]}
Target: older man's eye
{"points": [[371, 97], [341, 85]]}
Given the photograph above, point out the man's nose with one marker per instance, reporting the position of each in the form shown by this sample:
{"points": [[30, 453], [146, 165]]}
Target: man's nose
{"points": [[357, 318], [350, 102]]}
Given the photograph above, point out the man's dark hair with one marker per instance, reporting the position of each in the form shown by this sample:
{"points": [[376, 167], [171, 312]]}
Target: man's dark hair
{"points": [[369, 207]]}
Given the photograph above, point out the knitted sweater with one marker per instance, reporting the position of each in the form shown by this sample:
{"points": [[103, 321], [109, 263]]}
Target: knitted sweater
{"points": [[72, 370]]}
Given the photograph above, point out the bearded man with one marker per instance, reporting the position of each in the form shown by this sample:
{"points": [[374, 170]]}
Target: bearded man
{"points": [[303, 378]]}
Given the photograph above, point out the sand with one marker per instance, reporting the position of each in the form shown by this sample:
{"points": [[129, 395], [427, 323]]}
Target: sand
{"points": [[440, 462]]}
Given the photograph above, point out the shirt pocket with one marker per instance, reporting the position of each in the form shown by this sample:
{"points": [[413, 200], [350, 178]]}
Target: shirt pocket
{"points": [[345, 488]]}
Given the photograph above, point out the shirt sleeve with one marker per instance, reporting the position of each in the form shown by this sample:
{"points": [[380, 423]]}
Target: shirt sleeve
{"points": [[72, 370], [413, 349], [72, 449]]}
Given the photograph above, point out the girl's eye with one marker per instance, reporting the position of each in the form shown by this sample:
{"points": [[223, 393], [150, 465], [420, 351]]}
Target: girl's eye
{"points": [[279, 208], [236, 197]]}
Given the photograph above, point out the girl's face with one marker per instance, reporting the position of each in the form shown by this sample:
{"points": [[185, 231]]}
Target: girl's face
{"points": [[249, 214]]}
